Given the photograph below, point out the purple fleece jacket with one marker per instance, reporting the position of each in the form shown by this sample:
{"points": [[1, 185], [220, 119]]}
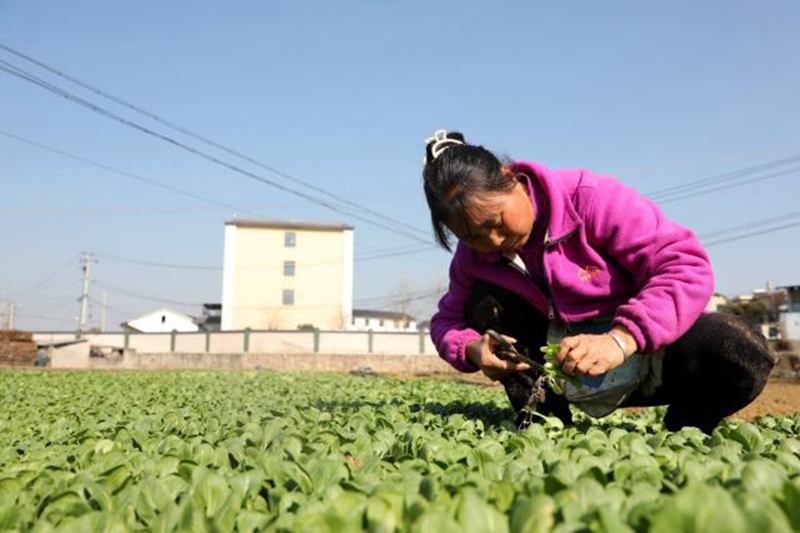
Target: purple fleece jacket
{"points": [[608, 250]]}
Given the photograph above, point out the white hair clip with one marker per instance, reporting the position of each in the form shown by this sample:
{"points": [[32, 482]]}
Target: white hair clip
{"points": [[440, 144]]}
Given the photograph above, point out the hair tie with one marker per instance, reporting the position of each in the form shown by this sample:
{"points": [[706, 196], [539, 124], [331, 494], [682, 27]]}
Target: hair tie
{"points": [[440, 143]]}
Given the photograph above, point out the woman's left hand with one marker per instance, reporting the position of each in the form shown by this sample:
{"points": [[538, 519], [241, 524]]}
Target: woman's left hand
{"points": [[589, 355]]}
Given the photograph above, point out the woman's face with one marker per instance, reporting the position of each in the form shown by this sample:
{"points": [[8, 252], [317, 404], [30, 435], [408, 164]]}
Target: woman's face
{"points": [[496, 221]]}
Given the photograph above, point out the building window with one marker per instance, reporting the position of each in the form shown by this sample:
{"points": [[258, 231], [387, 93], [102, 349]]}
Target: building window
{"points": [[288, 296], [289, 239], [288, 268]]}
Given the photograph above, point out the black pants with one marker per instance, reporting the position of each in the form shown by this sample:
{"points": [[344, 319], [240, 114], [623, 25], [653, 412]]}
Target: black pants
{"points": [[715, 369]]}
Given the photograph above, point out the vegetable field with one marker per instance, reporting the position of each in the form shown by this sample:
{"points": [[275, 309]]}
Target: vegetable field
{"points": [[259, 451]]}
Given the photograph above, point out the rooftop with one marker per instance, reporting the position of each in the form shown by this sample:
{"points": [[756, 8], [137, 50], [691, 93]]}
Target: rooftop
{"points": [[387, 315], [287, 223]]}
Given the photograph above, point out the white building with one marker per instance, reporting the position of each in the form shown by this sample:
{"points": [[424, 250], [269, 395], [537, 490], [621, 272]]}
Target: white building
{"points": [[716, 301], [790, 316], [161, 321], [286, 274], [366, 320]]}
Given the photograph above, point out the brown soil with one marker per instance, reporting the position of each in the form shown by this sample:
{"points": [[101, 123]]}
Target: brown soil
{"points": [[778, 398]]}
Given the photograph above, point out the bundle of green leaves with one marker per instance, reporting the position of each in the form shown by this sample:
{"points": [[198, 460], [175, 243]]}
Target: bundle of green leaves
{"points": [[555, 376]]}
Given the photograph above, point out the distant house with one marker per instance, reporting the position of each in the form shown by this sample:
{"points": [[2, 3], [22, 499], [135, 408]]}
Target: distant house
{"points": [[161, 321], [211, 318], [762, 308], [284, 274], [790, 314], [716, 302], [366, 320]]}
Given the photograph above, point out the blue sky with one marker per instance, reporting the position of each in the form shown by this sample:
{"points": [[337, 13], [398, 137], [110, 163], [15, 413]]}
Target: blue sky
{"points": [[342, 95]]}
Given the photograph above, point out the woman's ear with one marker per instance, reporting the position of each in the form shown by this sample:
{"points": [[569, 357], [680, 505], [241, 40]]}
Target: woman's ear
{"points": [[507, 172]]}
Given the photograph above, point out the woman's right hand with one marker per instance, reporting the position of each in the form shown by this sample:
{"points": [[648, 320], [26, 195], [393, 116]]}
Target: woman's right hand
{"points": [[481, 353]]}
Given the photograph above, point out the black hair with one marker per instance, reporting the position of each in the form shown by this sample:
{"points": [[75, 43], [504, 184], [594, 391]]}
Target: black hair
{"points": [[452, 178]]}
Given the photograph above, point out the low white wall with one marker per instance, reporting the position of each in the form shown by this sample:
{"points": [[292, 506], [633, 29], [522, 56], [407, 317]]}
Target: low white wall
{"points": [[53, 338], [72, 356], [117, 340], [344, 342], [190, 342], [281, 341], [265, 342], [149, 343], [395, 343], [225, 342], [69, 359]]}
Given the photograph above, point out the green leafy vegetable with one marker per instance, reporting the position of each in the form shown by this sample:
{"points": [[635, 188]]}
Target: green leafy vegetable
{"points": [[553, 371], [262, 451]]}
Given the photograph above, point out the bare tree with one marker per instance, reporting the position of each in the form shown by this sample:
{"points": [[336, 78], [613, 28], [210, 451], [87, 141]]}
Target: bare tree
{"points": [[402, 297]]}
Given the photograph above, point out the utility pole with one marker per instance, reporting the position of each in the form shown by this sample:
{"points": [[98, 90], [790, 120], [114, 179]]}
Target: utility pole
{"points": [[86, 262], [103, 302], [10, 316]]}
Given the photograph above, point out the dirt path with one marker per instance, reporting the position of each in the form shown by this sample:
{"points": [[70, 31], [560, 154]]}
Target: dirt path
{"points": [[778, 398]]}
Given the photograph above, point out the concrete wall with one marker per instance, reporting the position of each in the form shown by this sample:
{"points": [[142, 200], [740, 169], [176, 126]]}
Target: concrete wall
{"points": [[277, 342], [195, 342], [149, 343], [395, 343], [282, 342], [344, 342], [73, 356], [76, 357], [384, 364], [324, 351], [60, 336], [117, 340]]}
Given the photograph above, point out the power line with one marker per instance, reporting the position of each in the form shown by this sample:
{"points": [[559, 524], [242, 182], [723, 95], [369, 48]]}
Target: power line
{"points": [[752, 234], [47, 318], [728, 186], [750, 225], [49, 305], [400, 251], [395, 298], [203, 139], [126, 173], [157, 264], [21, 73], [680, 189], [110, 308], [135, 177], [384, 300], [43, 282], [146, 297]]}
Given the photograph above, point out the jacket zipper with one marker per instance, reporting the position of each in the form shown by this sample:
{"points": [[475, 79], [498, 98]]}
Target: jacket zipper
{"points": [[552, 312], [549, 244]]}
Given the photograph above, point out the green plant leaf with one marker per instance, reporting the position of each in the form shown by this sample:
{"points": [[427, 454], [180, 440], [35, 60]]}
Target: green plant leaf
{"points": [[534, 514]]}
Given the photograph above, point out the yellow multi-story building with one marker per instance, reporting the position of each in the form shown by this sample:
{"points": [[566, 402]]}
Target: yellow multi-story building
{"points": [[284, 274]]}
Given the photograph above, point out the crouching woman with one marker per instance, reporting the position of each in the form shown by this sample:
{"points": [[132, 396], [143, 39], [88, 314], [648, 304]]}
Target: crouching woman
{"points": [[579, 259]]}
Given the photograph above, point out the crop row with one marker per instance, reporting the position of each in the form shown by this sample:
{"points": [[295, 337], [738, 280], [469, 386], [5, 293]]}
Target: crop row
{"points": [[253, 451]]}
